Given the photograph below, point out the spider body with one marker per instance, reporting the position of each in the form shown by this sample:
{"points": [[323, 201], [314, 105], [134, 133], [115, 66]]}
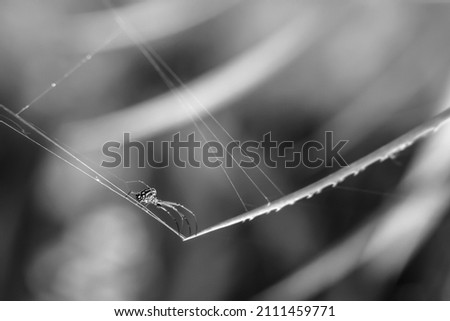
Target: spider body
{"points": [[148, 196]]}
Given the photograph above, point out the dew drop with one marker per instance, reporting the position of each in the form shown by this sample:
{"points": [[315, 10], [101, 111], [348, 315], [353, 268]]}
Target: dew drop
{"points": [[53, 84], [404, 146], [435, 129]]}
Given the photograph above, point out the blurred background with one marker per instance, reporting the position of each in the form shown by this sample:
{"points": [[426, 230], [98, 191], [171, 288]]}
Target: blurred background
{"points": [[367, 71]]}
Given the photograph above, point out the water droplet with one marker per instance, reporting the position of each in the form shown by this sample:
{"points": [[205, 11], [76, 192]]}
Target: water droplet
{"points": [[53, 84], [88, 57]]}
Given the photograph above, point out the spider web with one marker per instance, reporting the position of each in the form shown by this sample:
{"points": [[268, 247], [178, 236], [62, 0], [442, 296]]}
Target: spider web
{"points": [[208, 132], [19, 124]]}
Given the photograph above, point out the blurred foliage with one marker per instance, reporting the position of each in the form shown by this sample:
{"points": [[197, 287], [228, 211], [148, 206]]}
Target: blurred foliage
{"points": [[381, 71]]}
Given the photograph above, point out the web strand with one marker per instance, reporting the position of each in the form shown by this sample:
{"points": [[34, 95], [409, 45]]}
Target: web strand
{"points": [[152, 59], [86, 58], [187, 89], [37, 136]]}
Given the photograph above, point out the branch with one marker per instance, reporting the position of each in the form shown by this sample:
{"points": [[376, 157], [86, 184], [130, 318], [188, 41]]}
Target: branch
{"points": [[355, 168]]}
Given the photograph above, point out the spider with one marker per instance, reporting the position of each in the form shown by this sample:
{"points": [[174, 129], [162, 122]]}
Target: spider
{"points": [[148, 196]]}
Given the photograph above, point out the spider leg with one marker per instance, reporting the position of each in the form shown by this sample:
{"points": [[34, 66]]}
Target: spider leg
{"points": [[183, 217], [143, 183], [132, 195], [138, 181], [158, 205], [161, 204], [187, 210]]}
